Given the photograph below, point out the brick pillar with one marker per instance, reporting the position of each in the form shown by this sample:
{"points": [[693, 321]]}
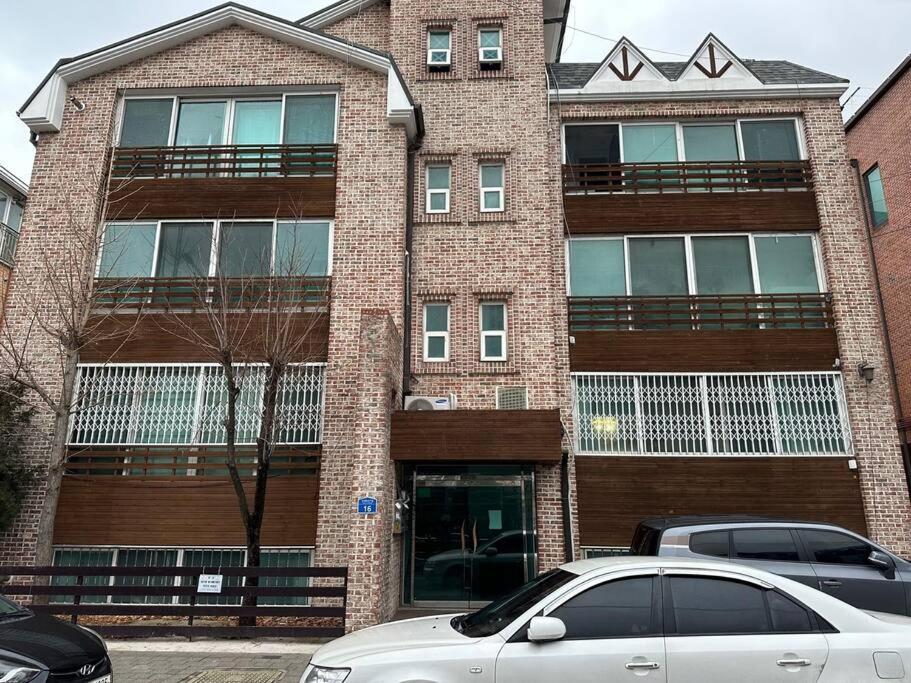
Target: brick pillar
{"points": [[360, 466], [848, 271]]}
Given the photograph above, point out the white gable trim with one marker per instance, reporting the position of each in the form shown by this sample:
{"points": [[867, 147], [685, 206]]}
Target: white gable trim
{"points": [[635, 65], [733, 68], [44, 112], [335, 12], [13, 182]]}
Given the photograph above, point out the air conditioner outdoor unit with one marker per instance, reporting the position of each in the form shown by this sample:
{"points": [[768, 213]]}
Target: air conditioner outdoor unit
{"points": [[430, 402]]}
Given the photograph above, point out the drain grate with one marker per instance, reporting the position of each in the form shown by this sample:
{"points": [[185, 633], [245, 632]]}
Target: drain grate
{"points": [[235, 676]]}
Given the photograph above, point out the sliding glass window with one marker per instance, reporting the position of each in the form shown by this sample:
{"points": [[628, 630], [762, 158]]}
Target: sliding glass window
{"points": [[592, 143], [146, 122]]}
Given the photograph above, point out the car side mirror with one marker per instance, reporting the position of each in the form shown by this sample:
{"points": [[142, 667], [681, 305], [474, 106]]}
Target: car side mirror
{"points": [[491, 551], [882, 561], [545, 629]]}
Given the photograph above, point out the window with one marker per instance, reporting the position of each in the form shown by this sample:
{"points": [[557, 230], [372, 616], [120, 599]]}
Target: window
{"points": [[711, 543], [615, 551], [439, 178], [592, 144], [183, 249], [722, 264], [624, 608], [305, 119], [876, 196], [707, 606], [831, 547], [650, 144], [719, 413], [490, 48], [436, 332], [439, 50], [493, 331], [492, 198], [786, 615], [10, 212], [776, 545], [770, 140]]}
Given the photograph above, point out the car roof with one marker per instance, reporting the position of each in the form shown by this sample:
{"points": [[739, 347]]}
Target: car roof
{"points": [[661, 523], [611, 564]]}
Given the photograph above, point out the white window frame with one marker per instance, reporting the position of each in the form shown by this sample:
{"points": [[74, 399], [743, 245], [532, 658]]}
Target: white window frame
{"points": [[230, 100], [502, 334], [216, 238], [430, 51], [447, 193], [681, 147], [500, 190], [444, 335], [499, 58], [690, 261]]}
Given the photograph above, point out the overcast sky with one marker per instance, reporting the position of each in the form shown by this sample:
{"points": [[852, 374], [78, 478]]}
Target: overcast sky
{"points": [[861, 41]]}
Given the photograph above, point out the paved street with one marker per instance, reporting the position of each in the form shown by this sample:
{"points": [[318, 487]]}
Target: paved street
{"points": [[221, 664]]}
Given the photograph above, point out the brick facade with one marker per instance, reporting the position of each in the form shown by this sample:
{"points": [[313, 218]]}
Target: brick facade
{"points": [[464, 257]]}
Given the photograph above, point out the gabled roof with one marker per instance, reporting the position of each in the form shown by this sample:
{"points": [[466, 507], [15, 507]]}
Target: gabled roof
{"points": [[769, 71], [43, 111], [7, 177], [712, 41], [879, 92], [556, 13], [623, 50]]}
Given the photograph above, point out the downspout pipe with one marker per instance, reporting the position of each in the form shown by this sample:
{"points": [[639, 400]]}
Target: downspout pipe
{"points": [[407, 314], [568, 549], [890, 359]]}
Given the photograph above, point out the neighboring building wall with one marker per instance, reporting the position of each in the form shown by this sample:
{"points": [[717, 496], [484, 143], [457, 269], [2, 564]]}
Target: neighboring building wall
{"points": [[69, 167], [848, 275], [883, 136], [467, 256]]}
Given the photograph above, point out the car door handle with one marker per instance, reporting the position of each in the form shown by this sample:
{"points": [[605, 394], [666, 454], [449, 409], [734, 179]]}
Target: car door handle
{"points": [[794, 662], [832, 583], [642, 665]]}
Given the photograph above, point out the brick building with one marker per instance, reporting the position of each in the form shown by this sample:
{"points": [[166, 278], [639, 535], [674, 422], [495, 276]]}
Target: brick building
{"points": [[13, 194], [563, 296], [879, 139]]}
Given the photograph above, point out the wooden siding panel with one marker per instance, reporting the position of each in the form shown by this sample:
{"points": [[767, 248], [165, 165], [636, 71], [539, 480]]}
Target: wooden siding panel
{"points": [[480, 435], [278, 197], [160, 512], [639, 213], [158, 338], [704, 350], [616, 493]]}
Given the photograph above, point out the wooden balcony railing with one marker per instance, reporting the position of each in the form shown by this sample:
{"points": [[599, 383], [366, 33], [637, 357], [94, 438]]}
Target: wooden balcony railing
{"points": [[179, 463], [687, 177], [224, 161], [246, 293], [736, 311], [9, 239]]}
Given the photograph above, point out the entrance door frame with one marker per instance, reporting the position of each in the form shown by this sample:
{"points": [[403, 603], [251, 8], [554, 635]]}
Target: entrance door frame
{"points": [[526, 475]]}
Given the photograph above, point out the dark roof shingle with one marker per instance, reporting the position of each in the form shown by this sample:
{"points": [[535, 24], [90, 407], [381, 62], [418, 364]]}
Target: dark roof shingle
{"points": [[770, 71]]}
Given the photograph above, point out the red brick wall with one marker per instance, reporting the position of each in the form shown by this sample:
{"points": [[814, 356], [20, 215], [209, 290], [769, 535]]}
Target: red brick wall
{"points": [[883, 136]]}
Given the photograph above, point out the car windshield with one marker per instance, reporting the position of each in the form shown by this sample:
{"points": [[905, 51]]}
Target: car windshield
{"points": [[500, 613], [7, 607]]}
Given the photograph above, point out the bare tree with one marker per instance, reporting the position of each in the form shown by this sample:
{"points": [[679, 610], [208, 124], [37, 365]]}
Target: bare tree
{"points": [[60, 309], [256, 318]]}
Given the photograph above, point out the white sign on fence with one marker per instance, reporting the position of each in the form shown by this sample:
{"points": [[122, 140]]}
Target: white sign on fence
{"points": [[209, 583]]}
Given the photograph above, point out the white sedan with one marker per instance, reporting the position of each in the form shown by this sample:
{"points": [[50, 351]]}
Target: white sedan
{"points": [[647, 619]]}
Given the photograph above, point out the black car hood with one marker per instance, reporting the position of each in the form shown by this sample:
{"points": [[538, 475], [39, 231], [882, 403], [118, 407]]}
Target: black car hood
{"points": [[49, 642]]}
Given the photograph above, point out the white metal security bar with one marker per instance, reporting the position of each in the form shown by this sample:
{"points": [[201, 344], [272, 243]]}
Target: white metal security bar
{"points": [[178, 405], [711, 414]]}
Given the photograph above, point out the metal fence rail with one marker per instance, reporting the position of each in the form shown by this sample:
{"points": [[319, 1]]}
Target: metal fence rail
{"points": [[325, 621], [9, 240], [688, 176]]}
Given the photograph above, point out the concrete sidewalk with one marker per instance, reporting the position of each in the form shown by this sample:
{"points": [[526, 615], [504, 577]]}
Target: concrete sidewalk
{"points": [[164, 661]]}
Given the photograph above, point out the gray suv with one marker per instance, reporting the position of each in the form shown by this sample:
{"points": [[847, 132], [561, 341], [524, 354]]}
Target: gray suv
{"points": [[830, 558]]}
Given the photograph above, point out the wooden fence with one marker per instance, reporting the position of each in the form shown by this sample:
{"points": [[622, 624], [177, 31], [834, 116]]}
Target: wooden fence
{"points": [[156, 592]]}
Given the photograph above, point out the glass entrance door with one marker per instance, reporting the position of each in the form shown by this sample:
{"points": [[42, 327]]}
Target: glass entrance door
{"points": [[472, 535]]}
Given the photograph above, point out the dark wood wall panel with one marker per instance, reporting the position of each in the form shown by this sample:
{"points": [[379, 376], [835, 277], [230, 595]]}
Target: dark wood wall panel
{"points": [[482, 435], [160, 338], [279, 197], [704, 351], [150, 511], [616, 493], [695, 212]]}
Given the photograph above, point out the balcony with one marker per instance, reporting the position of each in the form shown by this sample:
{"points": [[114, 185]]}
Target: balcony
{"points": [[704, 196], [137, 318], [735, 333], [239, 181], [9, 239]]}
